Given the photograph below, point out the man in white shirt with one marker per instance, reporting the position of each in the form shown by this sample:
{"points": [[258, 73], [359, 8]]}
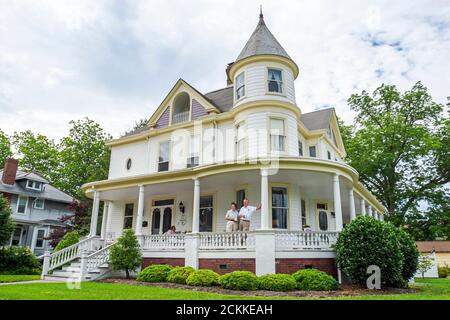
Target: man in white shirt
{"points": [[245, 215]]}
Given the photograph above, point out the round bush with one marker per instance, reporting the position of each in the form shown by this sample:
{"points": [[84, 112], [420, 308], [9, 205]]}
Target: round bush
{"points": [[410, 253], [313, 279], [18, 260], [179, 274], [154, 273], [443, 272], [203, 278], [70, 238], [366, 241], [239, 280], [277, 282]]}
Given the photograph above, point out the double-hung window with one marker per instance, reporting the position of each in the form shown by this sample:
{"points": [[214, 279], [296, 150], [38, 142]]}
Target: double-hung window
{"points": [[279, 207], [128, 216], [194, 151], [206, 214], [240, 85], [277, 137], [22, 204], [275, 81], [240, 139], [312, 151], [40, 238], [39, 203], [164, 156], [300, 148]]}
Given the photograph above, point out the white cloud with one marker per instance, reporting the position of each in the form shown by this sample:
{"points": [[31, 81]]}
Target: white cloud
{"points": [[114, 61]]}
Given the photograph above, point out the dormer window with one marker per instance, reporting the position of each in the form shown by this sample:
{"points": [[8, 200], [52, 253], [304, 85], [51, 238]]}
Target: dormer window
{"points": [[181, 108], [34, 185], [275, 81], [240, 85]]}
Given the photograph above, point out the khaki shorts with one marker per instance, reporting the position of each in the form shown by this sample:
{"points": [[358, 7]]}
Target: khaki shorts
{"points": [[231, 226], [244, 225]]}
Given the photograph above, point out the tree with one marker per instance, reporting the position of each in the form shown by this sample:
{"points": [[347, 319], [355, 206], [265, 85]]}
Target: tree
{"points": [[7, 225], [37, 153], [125, 254], [425, 264], [138, 126], [5, 148], [84, 156], [400, 146]]}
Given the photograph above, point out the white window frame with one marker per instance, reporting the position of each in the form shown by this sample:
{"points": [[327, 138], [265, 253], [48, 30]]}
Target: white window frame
{"points": [[236, 98], [169, 155], [26, 205], [36, 207], [192, 152], [43, 240], [280, 83], [309, 151], [282, 208], [242, 140], [283, 149], [34, 183]]}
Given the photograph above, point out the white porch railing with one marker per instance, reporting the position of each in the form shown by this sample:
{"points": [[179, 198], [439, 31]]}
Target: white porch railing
{"points": [[301, 240], [163, 242], [180, 117], [97, 259], [227, 241], [73, 252]]}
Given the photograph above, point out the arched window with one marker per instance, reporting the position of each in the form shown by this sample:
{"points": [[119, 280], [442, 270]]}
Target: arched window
{"points": [[323, 220], [181, 108]]}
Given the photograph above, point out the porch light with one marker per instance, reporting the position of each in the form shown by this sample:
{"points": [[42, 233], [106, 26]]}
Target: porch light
{"points": [[181, 207]]}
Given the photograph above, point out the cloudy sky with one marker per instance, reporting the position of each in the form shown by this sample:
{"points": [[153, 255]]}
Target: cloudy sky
{"points": [[115, 60]]}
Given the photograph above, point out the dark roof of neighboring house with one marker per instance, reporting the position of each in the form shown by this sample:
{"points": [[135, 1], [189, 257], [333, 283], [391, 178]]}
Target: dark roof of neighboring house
{"points": [[319, 119], [262, 41], [49, 193], [438, 245], [221, 98]]}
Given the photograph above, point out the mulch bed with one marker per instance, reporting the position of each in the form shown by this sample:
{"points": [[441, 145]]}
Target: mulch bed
{"points": [[344, 290]]}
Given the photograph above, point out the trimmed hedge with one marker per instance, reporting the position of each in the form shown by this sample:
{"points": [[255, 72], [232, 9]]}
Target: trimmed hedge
{"points": [[239, 280], [313, 279], [179, 274], [154, 273], [203, 278], [277, 282], [443, 272], [18, 260]]}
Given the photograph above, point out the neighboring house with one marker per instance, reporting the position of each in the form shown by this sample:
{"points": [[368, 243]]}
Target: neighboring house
{"points": [[36, 206], [441, 248], [249, 139]]}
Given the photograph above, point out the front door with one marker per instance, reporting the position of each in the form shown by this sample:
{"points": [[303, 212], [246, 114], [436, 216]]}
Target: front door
{"points": [[161, 219]]}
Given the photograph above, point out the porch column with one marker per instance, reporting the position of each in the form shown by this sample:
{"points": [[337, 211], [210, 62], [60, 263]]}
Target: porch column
{"points": [[196, 207], [369, 212], [337, 202], [34, 239], [351, 200], [363, 207], [265, 218], [140, 211], [104, 220], [94, 215]]}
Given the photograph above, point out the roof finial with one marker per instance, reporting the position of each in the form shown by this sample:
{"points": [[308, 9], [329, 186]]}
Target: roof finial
{"points": [[260, 12]]}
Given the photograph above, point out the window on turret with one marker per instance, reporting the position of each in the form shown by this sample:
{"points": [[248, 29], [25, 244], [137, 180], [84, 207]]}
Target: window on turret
{"points": [[240, 85], [277, 136], [240, 139], [275, 81]]}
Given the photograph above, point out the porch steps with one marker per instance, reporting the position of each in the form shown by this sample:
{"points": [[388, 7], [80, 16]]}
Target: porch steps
{"points": [[72, 271]]}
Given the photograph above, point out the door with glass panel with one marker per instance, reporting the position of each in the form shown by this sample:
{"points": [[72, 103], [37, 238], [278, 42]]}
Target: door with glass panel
{"points": [[206, 214], [162, 216], [280, 207]]}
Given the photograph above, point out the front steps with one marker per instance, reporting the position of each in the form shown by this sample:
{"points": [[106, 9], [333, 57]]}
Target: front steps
{"points": [[72, 272]]}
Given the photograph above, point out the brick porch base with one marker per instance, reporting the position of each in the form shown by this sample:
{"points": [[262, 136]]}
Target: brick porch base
{"points": [[291, 265], [175, 262]]}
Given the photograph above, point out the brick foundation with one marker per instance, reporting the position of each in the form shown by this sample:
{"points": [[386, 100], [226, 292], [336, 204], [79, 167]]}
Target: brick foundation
{"points": [[222, 266], [291, 265], [175, 262]]}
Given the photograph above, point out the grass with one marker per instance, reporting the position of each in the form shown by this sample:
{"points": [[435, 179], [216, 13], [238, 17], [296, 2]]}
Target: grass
{"points": [[429, 289], [18, 277]]}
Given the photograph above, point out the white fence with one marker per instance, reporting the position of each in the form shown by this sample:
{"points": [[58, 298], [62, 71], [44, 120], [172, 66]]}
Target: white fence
{"points": [[304, 240], [227, 240], [163, 242]]}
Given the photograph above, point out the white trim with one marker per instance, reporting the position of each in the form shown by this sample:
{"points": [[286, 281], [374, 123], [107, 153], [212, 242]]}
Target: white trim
{"points": [[43, 240], [39, 208], [17, 205]]}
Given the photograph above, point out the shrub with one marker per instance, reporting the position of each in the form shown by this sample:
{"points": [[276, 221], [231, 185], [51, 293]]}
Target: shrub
{"points": [[443, 272], [179, 274], [366, 241], [70, 238], [277, 282], [204, 278], [313, 279], [239, 280], [410, 254], [7, 224], [18, 260], [125, 254], [154, 273]]}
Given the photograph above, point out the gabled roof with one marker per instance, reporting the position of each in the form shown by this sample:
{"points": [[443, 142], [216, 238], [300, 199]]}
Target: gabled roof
{"points": [[319, 119], [262, 41], [49, 193], [222, 98], [30, 176]]}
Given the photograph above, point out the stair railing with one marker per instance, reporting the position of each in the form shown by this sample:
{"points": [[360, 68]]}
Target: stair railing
{"points": [[94, 260]]}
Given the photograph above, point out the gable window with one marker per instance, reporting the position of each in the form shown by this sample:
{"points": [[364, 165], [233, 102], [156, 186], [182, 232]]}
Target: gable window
{"points": [[22, 204], [240, 139], [277, 137], [300, 148], [194, 151], [206, 213], [39, 204], [35, 185], [312, 151], [279, 207], [240, 85], [181, 108], [128, 216], [40, 239], [164, 156], [274, 79]]}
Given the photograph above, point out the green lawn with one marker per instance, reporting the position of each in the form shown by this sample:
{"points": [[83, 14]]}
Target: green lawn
{"points": [[429, 289], [18, 277]]}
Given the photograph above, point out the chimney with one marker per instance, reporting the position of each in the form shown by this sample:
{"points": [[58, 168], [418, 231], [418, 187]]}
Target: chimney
{"points": [[9, 171]]}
